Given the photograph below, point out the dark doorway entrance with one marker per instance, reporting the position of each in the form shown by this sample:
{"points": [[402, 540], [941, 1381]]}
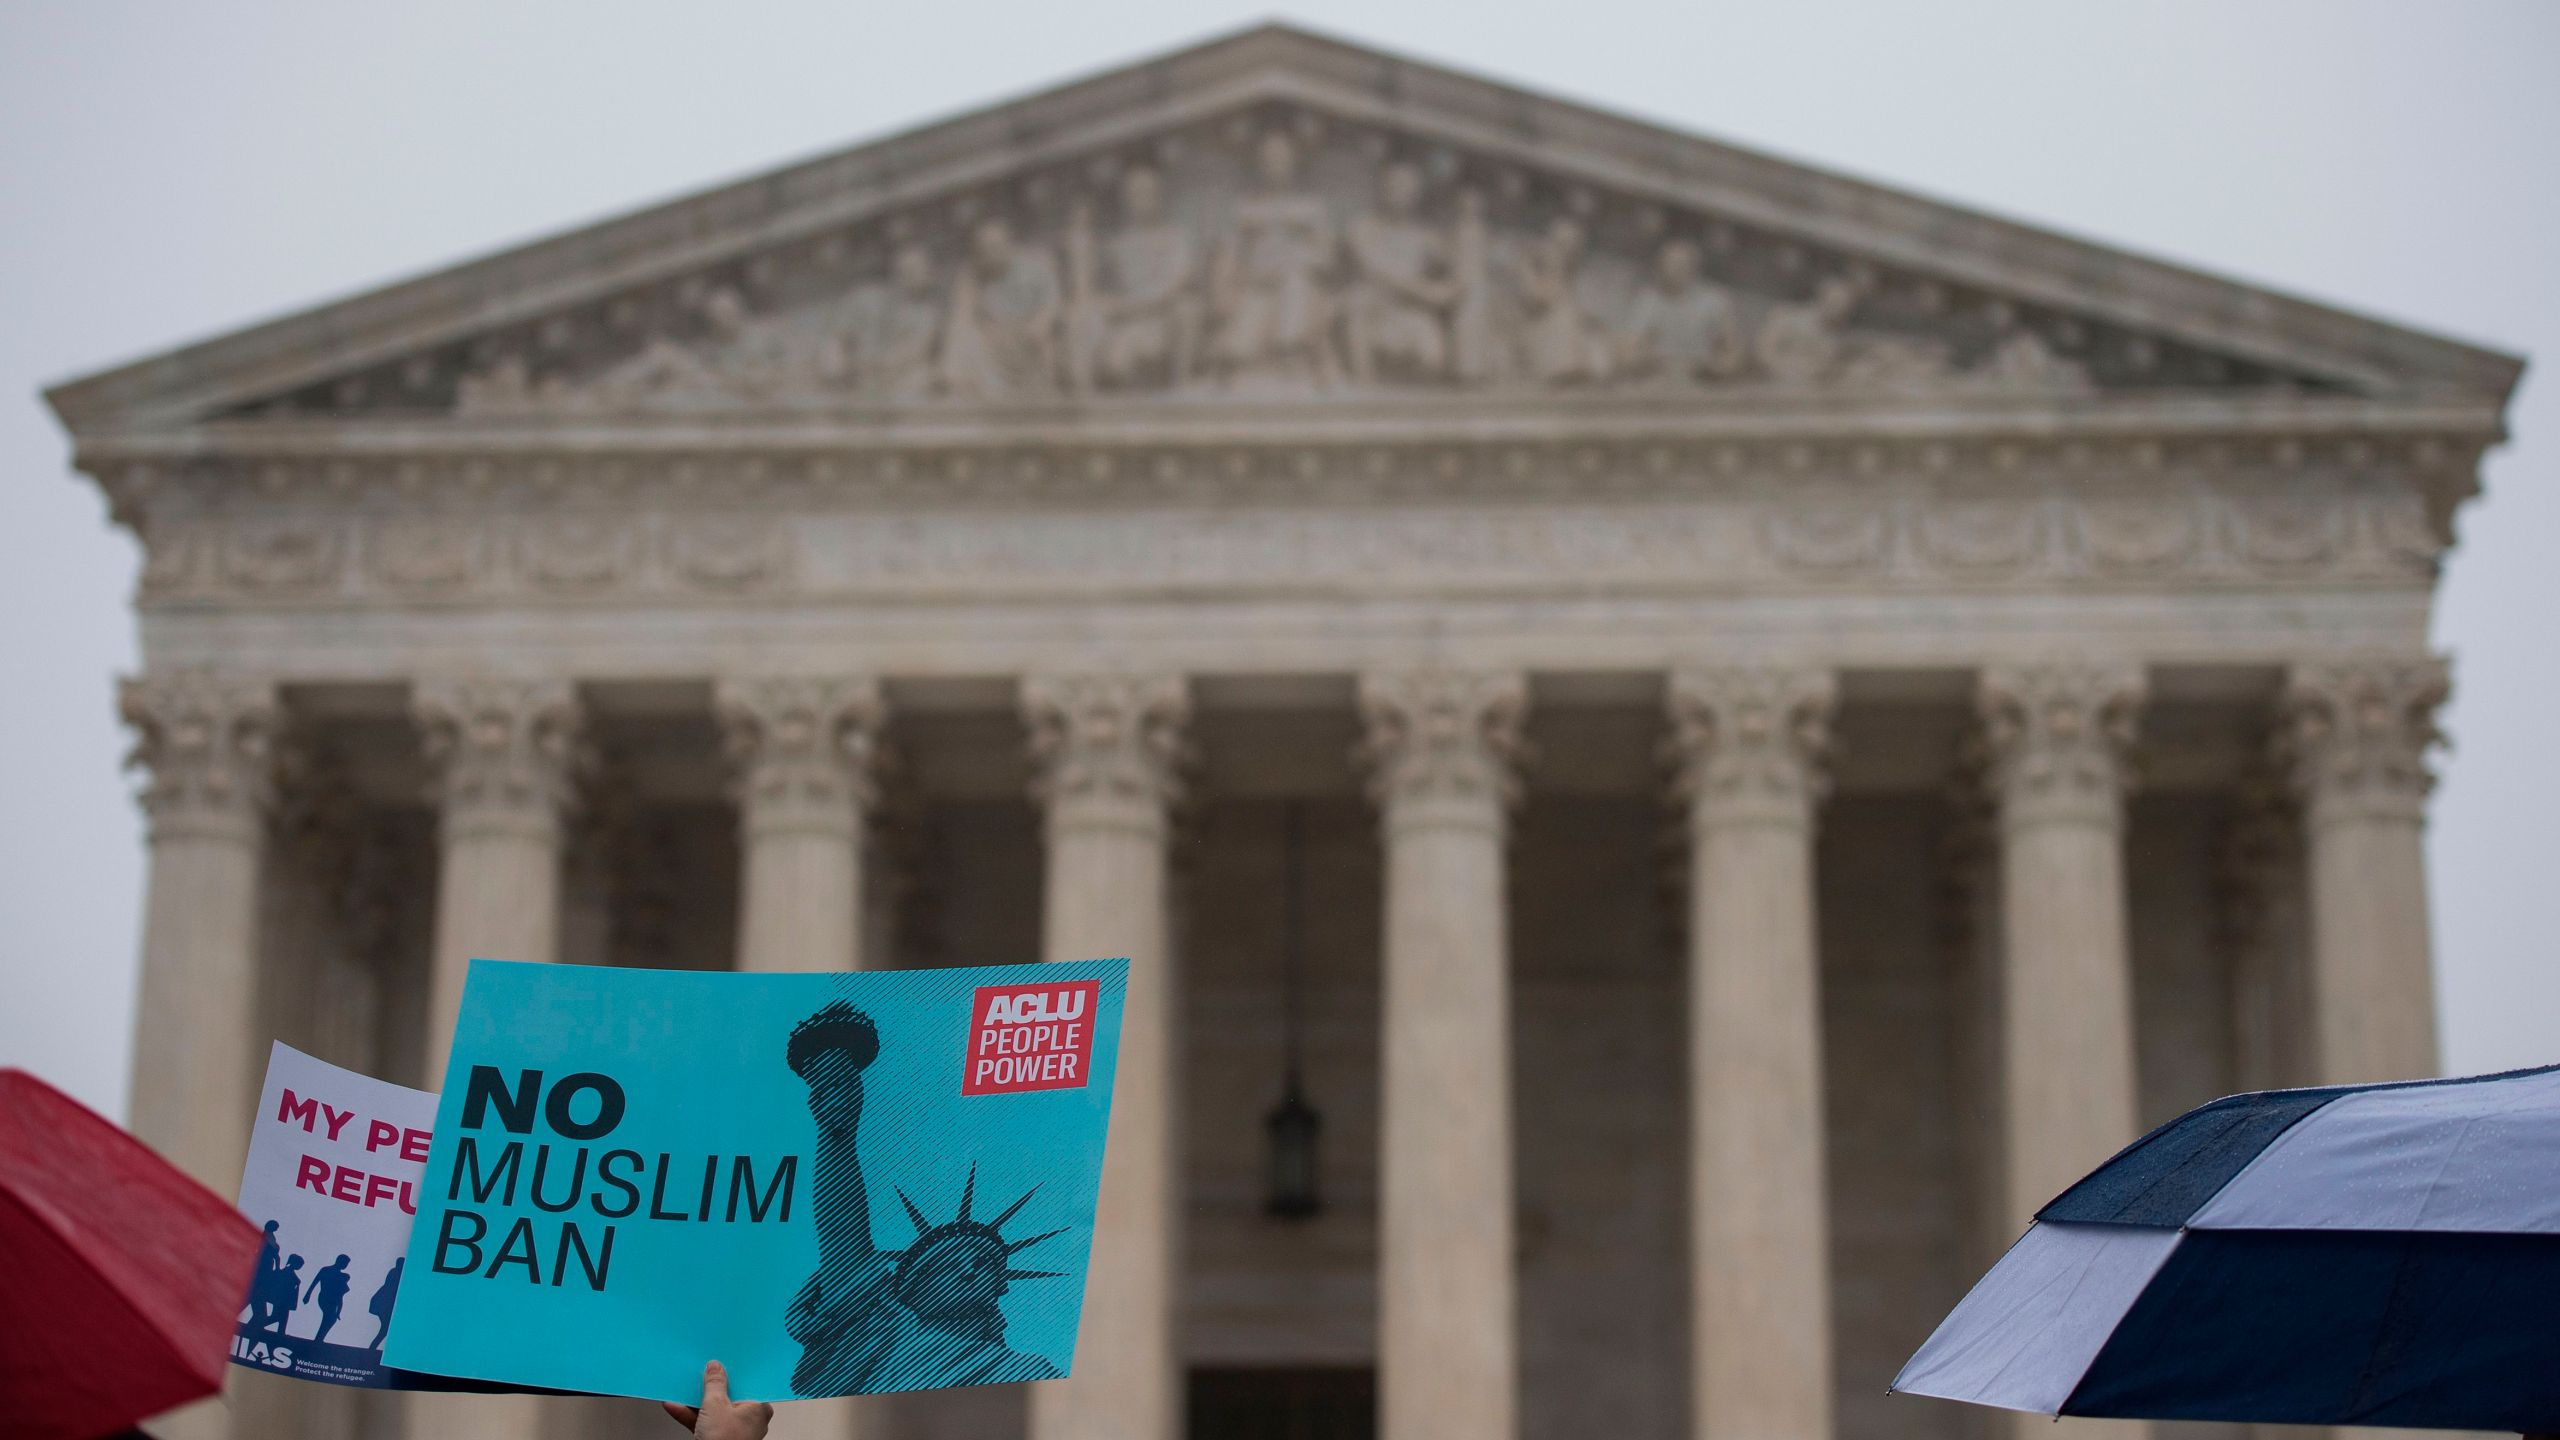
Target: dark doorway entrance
{"points": [[1313, 1403]]}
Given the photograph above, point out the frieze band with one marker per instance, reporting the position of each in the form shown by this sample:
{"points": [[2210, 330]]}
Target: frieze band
{"points": [[1899, 537]]}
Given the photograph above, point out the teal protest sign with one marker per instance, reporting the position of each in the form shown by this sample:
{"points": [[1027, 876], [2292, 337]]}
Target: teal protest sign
{"points": [[835, 1184]]}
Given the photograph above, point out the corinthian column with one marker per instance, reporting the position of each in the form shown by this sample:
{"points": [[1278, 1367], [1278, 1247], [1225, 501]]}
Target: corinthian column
{"points": [[2057, 738], [205, 740], [2358, 736], [1750, 745], [803, 749], [1444, 744], [505, 753], [1106, 748]]}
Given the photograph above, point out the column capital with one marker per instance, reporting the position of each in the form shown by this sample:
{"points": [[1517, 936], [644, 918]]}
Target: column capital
{"points": [[208, 741], [506, 752], [804, 749], [1750, 742], [2058, 736], [1107, 749], [1443, 744], [2355, 735]]}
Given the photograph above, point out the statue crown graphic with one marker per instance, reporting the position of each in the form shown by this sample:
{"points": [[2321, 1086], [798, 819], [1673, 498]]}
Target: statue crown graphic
{"points": [[964, 1264]]}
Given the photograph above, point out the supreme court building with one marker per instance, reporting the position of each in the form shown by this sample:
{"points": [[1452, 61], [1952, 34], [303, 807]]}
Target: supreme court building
{"points": [[1734, 728]]}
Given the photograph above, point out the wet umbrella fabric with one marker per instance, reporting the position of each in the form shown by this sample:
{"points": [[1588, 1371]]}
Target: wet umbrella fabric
{"points": [[124, 1277], [2358, 1255]]}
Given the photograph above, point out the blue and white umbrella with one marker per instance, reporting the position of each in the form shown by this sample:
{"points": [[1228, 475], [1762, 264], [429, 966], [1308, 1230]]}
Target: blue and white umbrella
{"points": [[2360, 1255]]}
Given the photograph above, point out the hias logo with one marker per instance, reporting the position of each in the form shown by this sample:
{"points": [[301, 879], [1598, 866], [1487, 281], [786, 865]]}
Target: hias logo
{"points": [[259, 1352]]}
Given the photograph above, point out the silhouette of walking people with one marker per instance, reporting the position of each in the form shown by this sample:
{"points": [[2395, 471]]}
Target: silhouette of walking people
{"points": [[264, 1279], [278, 1294], [276, 1290], [331, 1286], [383, 1299]]}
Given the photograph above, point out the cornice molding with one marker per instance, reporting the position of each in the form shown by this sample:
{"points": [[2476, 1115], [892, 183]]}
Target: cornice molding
{"points": [[1137, 425], [1510, 455]]}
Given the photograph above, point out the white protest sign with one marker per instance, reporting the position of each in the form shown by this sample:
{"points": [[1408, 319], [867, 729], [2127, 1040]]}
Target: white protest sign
{"points": [[335, 1160]]}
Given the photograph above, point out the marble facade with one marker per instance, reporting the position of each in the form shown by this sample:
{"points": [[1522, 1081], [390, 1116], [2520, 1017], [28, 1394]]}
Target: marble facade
{"points": [[1815, 714]]}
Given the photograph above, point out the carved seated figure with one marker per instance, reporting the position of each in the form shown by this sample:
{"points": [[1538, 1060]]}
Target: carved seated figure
{"points": [[1267, 288], [999, 339], [1683, 329], [890, 331], [1560, 344], [1395, 316], [1135, 310]]}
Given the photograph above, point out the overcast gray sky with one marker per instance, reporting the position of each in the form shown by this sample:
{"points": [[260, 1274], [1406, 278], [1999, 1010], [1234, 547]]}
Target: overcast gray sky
{"points": [[171, 171]]}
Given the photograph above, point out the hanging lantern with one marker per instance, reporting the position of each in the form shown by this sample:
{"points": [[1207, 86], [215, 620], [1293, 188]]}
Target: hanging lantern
{"points": [[1293, 1127]]}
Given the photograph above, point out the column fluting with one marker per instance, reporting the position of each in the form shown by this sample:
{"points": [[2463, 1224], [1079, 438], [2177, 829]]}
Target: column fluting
{"points": [[207, 744], [1750, 744], [1107, 753], [506, 755], [2358, 735], [1443, 746], [2057, 736], [802, 751]]}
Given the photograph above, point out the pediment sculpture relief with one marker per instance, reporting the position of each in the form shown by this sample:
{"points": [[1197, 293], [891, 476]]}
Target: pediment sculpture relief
{"points": [[1290, 260]]}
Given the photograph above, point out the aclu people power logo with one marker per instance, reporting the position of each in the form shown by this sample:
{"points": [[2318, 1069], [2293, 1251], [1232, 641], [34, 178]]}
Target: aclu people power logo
{"points": [[1031, 1037]]}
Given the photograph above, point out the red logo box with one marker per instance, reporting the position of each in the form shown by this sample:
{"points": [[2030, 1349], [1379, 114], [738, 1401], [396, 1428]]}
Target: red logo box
{"points": [[1031, 1037]]}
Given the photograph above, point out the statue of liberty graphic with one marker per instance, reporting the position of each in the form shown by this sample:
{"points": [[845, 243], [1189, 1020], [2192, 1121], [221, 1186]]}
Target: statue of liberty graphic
{"points": [[870, 1320]]}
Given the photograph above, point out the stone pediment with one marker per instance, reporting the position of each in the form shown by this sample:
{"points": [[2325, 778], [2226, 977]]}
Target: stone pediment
{"points": [[1273, 220]]}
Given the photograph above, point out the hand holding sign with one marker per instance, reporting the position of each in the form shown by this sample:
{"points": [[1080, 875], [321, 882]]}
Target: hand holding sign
{"points": [[717, 1417]]}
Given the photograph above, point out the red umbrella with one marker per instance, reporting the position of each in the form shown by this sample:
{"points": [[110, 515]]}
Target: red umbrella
{"points": [[123, 1277]]}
